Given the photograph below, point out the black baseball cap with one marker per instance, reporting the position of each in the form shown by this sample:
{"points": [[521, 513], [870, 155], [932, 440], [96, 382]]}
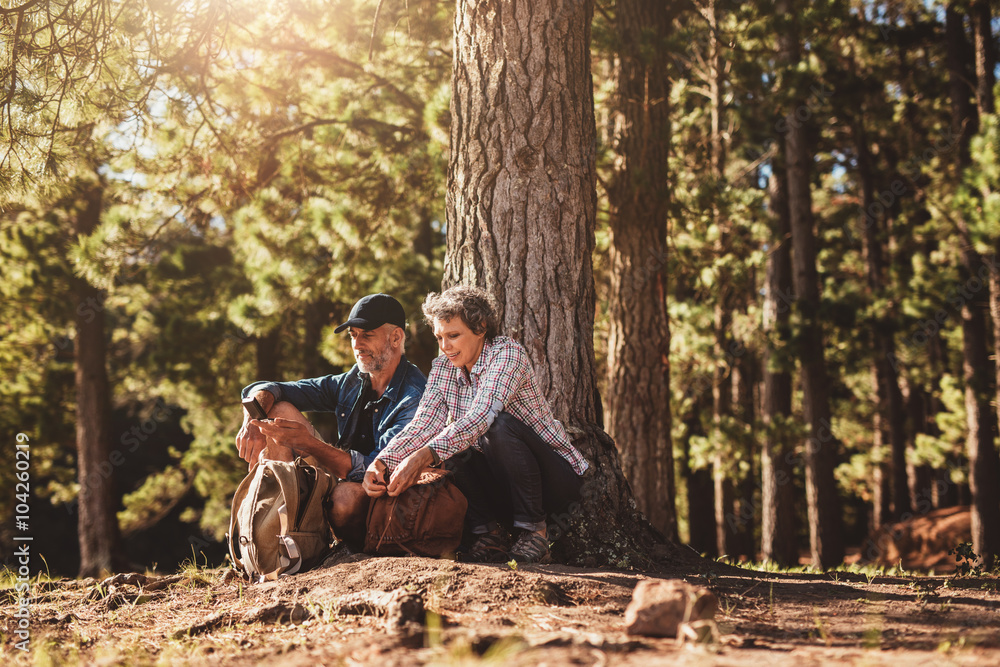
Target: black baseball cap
{"points": [[374, 310]]}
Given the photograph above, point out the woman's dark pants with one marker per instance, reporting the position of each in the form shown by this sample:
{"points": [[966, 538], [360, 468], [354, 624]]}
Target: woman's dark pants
{"points": [[516, 479]]}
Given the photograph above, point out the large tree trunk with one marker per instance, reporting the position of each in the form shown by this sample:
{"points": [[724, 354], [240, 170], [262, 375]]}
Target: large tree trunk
{"points": [[639, 337], [825, 521], [521, 217], [97, 520], [778, 530], [978, 368]]}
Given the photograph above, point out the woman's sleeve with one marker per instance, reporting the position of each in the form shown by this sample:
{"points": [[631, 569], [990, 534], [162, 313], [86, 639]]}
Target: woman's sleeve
{"points": [[431, 417], [503, 378]]}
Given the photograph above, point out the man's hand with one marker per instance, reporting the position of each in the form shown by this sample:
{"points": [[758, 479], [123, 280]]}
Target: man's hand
{"points": [[291, 434], [408, 471], [250, 442], [375, 479]]}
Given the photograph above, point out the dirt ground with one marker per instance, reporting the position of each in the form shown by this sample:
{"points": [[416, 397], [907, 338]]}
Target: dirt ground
{"points": [[361, 611]]}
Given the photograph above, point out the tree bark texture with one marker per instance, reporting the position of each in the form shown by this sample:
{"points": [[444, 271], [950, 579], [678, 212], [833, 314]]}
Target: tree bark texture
{"points": [[521, 215], [778, 529], [638, 400], [977, 366], [825, 521], [521, 188], [97, 518]]}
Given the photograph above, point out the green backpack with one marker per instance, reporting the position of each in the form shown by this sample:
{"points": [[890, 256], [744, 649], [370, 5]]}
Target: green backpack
{"points": [[279, 520]]}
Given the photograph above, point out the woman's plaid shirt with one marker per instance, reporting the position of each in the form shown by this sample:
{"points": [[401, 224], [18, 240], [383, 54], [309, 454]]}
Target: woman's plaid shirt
{"points": [[454, 411]]}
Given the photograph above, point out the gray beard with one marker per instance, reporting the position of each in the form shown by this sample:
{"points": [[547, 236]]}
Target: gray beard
{"points": [[379, 361]]}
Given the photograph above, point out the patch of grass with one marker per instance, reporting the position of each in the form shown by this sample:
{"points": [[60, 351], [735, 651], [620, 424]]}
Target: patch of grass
{"points": [[766, 566], [9, 578], [499, 652], [48, 653], [319, 609], [820, 627], [872, 637], [727, 605], [870, 570], [434, 627], [952, 643]]}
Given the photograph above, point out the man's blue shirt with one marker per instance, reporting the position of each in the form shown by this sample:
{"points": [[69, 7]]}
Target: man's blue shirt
{"points": [[340, 393]]}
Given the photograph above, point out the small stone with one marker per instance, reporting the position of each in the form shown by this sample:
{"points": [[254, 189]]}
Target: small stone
{"points": [[658, 607]]}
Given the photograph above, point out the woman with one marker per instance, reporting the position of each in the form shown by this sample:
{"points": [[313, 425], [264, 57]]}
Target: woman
{"points": [[483, 412]]}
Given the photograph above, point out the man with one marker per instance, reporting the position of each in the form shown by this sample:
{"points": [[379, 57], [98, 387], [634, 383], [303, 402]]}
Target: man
{"points": [[373, 402]]}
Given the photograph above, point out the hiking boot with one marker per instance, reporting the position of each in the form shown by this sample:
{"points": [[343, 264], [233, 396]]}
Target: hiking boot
{"points": [[488, 548], [531, 547]]}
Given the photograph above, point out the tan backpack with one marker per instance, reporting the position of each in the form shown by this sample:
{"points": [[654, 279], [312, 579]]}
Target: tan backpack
{"points": [[279, 519]]}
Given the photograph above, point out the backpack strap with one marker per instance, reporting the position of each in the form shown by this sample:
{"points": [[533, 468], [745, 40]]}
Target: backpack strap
{"points": [[290, 478], [233, 534]]}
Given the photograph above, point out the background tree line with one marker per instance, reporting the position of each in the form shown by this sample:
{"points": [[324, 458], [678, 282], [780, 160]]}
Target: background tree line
{"points": [[797, 296]]}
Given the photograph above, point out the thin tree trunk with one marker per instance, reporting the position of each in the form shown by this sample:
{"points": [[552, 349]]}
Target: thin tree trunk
{"points": [[986, 61], [722, 384], [946, 492], [521, 215], [890, 398], [881, 514], [722, 392], [639, 335], [778, 530], [317, 316], [977, 366], [701, 515], [825, 521], [920, 477], [744, 382], [941, 494], [100, 551], [268, 348]]}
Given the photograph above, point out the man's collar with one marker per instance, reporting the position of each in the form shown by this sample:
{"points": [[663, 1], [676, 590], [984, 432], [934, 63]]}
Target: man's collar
{"points": [[397, 377]]}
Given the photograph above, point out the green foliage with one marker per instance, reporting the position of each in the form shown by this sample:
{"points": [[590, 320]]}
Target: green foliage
{"points": [[259, 172], [259, 175]]}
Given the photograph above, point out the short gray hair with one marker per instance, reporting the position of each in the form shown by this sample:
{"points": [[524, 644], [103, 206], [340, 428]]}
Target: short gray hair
{"points": [[472, 304]]}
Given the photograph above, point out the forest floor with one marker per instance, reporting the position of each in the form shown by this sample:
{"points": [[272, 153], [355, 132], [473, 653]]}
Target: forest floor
{"points": [[531, 615]]}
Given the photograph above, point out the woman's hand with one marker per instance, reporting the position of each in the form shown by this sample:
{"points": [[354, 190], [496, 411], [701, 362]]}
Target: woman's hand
{"points": [[374, 482], [406, 474]]}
